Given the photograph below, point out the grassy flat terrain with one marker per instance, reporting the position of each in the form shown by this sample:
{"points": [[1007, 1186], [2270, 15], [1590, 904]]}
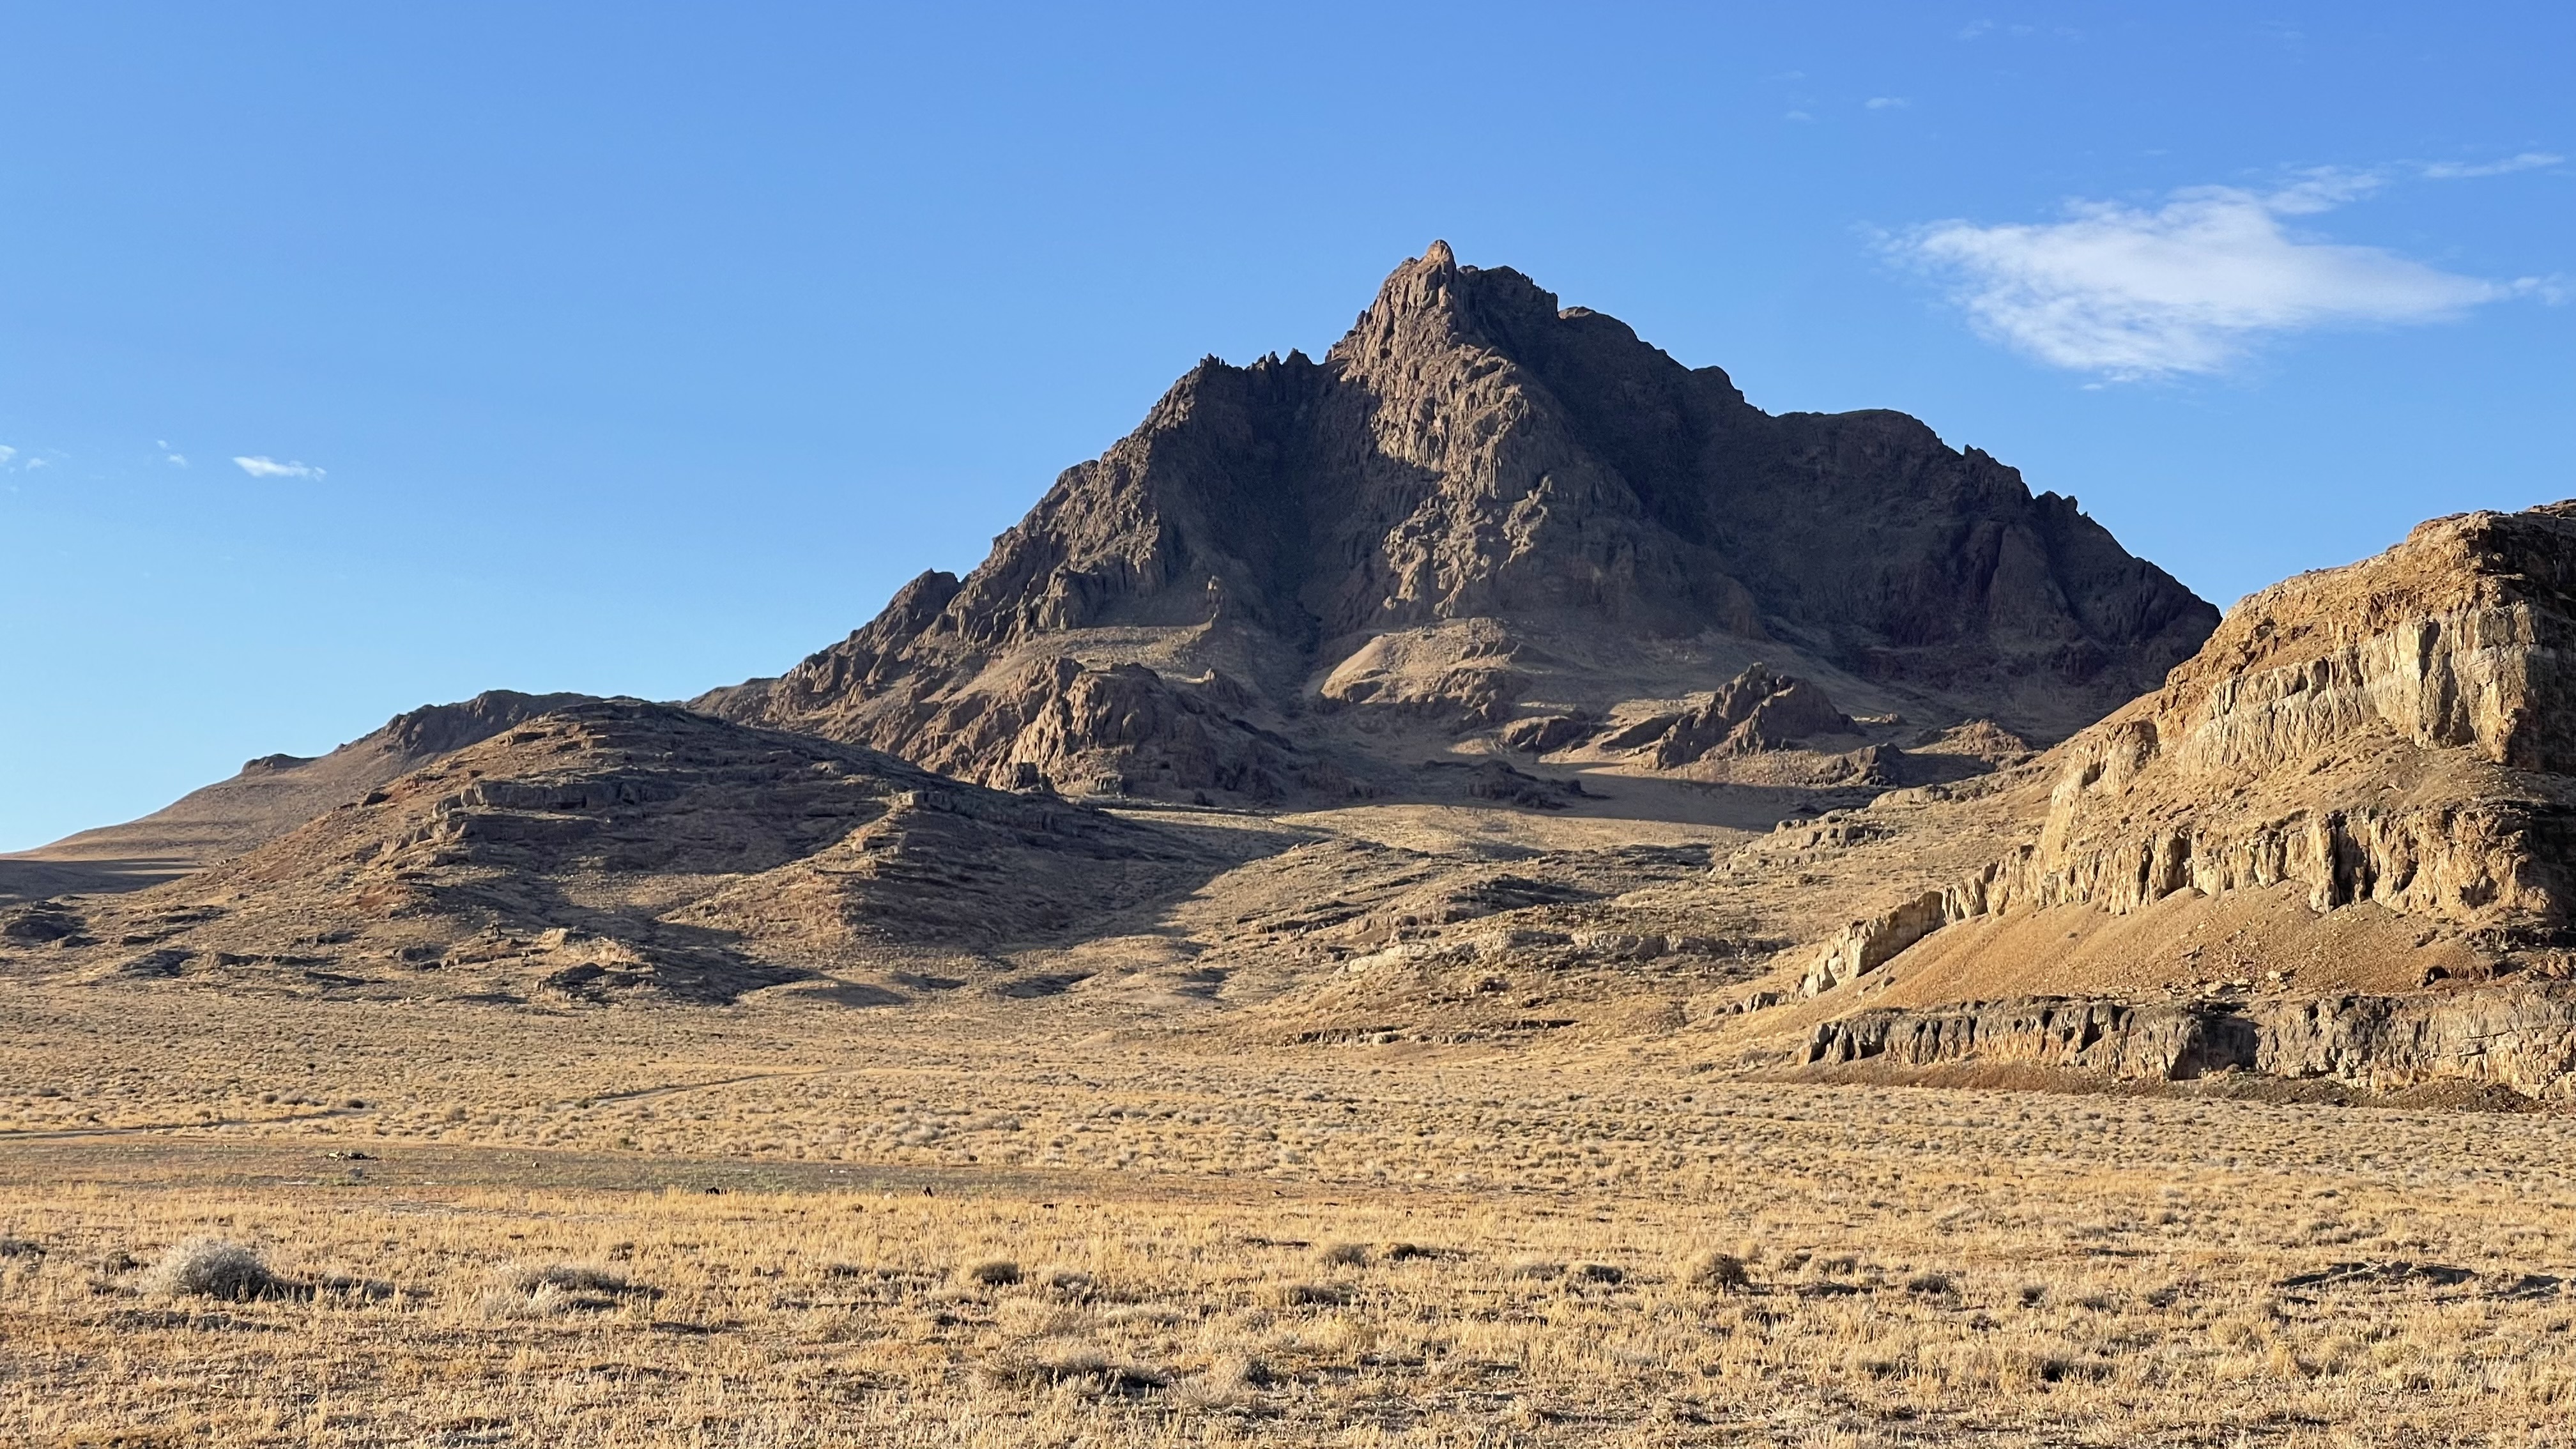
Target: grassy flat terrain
{"points": [[1020, 1223]]}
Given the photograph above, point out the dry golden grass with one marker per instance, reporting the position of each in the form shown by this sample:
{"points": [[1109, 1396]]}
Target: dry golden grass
{"points": [[1336, 1245]]}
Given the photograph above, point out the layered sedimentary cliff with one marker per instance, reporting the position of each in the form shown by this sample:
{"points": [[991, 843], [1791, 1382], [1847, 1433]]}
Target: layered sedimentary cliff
{"points": [[2391, 739], [2396, 732], [2521, 1037]]}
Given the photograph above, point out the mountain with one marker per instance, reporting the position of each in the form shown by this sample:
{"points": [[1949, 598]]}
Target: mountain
{"points": [[615, 850], [1478, 509], [271, 795]]}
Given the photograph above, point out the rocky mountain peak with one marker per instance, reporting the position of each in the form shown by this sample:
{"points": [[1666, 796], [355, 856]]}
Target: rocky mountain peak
{"points": [[1473, 467]]}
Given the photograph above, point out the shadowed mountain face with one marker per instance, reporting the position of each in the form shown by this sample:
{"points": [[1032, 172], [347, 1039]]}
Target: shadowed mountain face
{"points": [[1480, 507]]}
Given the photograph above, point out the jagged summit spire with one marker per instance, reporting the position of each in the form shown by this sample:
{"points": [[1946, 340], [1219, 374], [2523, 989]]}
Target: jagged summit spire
{"points": [[1439, 255]]}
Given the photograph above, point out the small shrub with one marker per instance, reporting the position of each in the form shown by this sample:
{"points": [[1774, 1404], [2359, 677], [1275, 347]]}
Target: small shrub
{"points": [[1343, 1255], [1073, 1363], [1597, 1273], [1068, 1283], [1932, 1285], [1717, 1272], [544, 1290], [213, 1268], [1314, 1295], [546, 1302], [571, 1278], [990, 1273], [1877, 1363]]}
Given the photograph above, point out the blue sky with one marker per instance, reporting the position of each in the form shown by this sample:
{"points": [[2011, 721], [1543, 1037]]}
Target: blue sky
{"points": [[639, 348]]}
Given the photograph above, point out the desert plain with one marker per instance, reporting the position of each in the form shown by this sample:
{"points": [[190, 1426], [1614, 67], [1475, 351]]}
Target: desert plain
{"points": [[994, 1220]]}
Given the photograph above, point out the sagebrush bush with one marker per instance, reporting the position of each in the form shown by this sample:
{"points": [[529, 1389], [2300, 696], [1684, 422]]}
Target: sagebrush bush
{"points": [[213, 1268], [568, 1278], [1717, 1272], [543, 1290]]}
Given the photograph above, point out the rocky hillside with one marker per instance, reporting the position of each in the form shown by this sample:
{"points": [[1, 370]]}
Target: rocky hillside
{"points": [[2362, 783], [619, 850], [1476, 510], [271, 796]]}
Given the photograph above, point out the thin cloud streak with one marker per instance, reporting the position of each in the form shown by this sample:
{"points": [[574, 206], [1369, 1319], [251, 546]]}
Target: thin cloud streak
{"points": [[258, 467], [2463, 170]]}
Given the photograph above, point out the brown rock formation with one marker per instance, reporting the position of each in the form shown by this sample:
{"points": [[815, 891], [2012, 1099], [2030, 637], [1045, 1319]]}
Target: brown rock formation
{"points": [[617, 849], [1478, 498], [1755, 711], [2386, 745], [2396, 732], [2520, 1037], [271, 796]]}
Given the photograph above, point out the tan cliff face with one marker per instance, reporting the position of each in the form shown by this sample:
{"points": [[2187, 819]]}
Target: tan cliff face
{"points": [[1477, 508], [2392, 732], [2395, 733]]}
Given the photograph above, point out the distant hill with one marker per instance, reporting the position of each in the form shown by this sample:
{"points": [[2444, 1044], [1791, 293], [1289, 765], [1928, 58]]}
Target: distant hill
{"points": [[617, 850], [270, 796]]}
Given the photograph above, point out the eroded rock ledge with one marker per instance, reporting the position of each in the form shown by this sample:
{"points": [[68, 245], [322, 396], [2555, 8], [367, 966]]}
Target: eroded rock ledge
{"points": [[2395, 732], [2521, 1036]]}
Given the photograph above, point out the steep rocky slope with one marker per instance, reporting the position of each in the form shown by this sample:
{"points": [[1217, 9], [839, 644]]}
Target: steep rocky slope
{"points": [[1479, 509], [616, 849], [271, 796], [2359, 787]]}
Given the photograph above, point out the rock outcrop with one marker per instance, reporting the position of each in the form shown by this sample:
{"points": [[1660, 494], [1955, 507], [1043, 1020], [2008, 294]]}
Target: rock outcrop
{"points": [[1757, 710], [271, 796], [1475, 500], [617, 850], [2397, 732], [2521, 1037], [1867, 944]]}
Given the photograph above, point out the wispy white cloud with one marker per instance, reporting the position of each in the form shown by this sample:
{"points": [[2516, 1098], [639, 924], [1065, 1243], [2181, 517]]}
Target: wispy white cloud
{"points": [[1886, 103], [169, 454], [271, 468], [6, 453], [1797, 116], [2186, 287], [2465, 170]]}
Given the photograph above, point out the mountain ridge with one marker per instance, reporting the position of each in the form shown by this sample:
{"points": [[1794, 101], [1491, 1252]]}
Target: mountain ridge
{"points": [[1527, 498]]}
